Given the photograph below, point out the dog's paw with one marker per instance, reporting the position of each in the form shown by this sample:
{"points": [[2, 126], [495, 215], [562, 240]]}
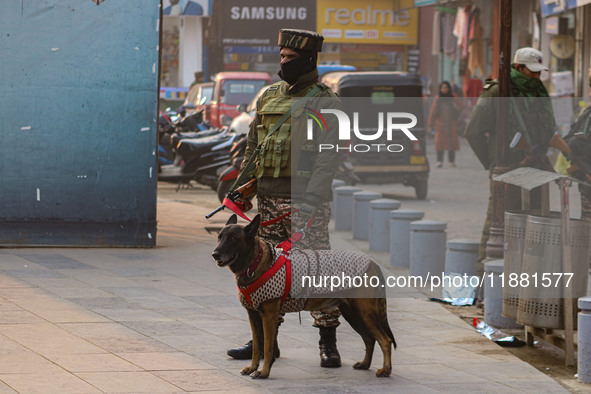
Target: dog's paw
{"points": [[383, 372], [361, 365], [247, 370], [259, 375]]}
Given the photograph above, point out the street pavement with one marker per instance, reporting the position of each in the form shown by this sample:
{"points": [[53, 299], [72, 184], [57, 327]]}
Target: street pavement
{"points": [[160, 321]]}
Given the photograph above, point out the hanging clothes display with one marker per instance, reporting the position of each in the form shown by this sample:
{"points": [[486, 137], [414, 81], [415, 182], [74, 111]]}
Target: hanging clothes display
{"points": [[476, 45], [461, 26], [436, 41], [474, 89], [449, 43]]}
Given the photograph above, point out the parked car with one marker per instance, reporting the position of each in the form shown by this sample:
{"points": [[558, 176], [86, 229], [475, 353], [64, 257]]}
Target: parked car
{"points": [[232, 89], [393, 92], [241, 123]]}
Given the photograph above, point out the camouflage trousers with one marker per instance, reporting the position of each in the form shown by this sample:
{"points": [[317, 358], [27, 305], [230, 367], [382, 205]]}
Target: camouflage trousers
{"points": [[317, 237]]}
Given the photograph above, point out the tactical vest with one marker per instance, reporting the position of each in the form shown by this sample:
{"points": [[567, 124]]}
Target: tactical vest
{"points": [[276, 157]]}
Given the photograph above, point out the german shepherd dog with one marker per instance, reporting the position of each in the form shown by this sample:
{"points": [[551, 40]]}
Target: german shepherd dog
{"points": [[364, 308]]}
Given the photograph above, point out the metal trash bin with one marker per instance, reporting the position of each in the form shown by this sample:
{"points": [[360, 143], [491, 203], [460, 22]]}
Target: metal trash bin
{"points": [[515, 223], [541, 306]]}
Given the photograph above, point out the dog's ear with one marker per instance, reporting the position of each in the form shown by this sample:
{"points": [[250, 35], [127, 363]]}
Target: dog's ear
{"points": [[233, 220], [253, 227]]}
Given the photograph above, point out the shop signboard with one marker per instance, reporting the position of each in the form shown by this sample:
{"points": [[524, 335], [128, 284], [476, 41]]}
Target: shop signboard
{"points": [[552, 25], [551, 7], [249, 23], [375, 21]]}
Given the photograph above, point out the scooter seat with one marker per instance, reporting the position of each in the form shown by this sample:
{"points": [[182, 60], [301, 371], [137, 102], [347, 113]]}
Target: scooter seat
{"points": [[195, 145]]}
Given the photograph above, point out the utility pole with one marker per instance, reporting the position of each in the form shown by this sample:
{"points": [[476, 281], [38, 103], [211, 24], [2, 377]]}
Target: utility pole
{"points": [[500, 191]]}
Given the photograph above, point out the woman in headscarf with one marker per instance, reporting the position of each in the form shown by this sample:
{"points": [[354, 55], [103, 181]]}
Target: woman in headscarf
{"points": [[444, 119]]}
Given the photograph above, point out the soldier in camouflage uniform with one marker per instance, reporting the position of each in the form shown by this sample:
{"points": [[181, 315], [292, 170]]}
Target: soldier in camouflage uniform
{"points": [[290, 172]]}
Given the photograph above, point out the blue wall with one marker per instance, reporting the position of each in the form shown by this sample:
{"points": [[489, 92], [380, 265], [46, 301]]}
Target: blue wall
{"points": [[78, 95]]}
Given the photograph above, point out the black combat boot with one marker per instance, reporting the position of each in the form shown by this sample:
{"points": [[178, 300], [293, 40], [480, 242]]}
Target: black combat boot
{"points": [[245, 352], [329, 355]]}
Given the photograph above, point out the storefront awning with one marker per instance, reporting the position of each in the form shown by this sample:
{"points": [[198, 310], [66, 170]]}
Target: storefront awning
{"points": [[551, 7]]}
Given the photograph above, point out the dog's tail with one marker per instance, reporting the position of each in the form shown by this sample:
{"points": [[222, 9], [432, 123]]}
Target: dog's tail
{"points": [[383, 318]]}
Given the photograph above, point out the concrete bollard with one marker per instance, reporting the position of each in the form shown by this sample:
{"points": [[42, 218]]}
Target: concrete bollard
{"points": [[427, 248], [379, 223], [343, 219], [335, 183], [584, 334], [493, 296], [400, 235], [361, 202], [461, 256]]}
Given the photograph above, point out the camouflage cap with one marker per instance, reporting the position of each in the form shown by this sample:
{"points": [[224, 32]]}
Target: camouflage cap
{"points": [[300, 39]]}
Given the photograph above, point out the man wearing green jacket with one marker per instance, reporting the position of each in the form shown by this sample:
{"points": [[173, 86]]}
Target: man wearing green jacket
{"points": [[290, 170], [530, 117]]}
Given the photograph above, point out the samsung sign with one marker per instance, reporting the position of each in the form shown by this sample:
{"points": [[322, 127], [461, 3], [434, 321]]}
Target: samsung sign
{"points": [[269, 13], [246, 24]]}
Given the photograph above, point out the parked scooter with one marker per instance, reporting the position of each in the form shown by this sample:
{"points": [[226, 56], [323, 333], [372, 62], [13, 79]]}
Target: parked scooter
{"points": [[199, 159], [173, 127]]}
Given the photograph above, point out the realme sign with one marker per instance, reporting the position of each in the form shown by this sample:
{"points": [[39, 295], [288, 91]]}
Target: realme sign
{"points": [[377, 21]]}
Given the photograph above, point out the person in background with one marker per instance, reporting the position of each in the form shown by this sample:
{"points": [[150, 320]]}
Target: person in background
{"points": [[443, 118], [198, 78], [530, 113]]}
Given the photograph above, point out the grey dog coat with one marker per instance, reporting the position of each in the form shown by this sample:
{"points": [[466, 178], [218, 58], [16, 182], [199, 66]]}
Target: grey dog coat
{"points": [[314, 264]]}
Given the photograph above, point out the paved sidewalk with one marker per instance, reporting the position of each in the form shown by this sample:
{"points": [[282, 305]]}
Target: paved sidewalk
{"points": [[160, 320]]}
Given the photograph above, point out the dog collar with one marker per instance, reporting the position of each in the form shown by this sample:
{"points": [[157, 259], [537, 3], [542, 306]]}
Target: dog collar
{"points": [[250, 270]]}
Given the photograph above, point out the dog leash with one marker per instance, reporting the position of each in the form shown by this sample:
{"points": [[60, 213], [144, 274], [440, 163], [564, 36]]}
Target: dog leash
{"points": [[236, 209]]}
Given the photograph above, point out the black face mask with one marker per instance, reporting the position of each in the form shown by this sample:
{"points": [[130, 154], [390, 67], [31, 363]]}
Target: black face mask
{"points": [[294, 69]]}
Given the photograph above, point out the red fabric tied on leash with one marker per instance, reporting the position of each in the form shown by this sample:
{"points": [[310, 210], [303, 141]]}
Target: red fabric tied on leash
{"points": [[234, 208]]}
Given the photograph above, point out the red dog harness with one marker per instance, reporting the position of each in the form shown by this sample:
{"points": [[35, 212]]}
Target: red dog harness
{"points": [[282, 261]]}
